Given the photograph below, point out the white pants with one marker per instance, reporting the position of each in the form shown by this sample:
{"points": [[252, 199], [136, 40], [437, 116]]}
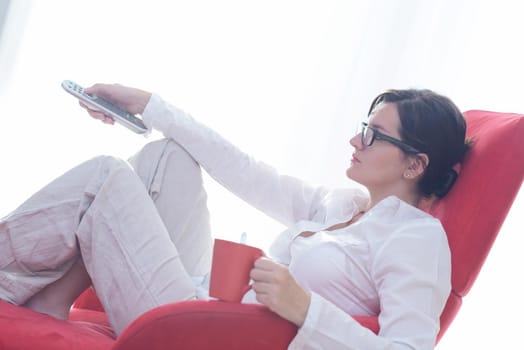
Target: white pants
{"points": [[140, 244]]}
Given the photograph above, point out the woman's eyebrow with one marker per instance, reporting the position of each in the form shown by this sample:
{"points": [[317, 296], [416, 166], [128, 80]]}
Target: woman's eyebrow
{"points": [[376, 126]]}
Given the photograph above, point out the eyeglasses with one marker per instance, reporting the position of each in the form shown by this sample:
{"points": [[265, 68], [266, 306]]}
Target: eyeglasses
{"points": [[369, 135]]}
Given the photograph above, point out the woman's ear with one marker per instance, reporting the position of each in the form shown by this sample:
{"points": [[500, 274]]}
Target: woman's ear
{"points": [[416, 166]]}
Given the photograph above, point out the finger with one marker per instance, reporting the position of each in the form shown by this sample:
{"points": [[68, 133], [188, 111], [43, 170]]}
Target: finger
{"points": [[98, 89], [265, 263], [264, 295], [261, 287], [83, 105], [260, 275], [87, 107], [108, 120], [96, 114], [100, 116]]}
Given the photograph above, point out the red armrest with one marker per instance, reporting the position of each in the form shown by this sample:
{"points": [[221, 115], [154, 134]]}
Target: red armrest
{"points": [[200, 324]]}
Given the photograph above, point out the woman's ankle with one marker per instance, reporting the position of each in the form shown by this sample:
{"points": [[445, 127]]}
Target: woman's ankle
{"points": [[56, 298]]}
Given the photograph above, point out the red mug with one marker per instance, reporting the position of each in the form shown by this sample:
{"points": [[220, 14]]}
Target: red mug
{"points": [[230, 269]]}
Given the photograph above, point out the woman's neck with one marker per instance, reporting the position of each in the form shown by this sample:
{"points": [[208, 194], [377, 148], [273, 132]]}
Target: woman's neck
{"points": [[407, 196]]}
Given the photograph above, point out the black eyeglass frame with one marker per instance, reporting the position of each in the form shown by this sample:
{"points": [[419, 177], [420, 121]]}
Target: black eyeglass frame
{"points": [[377, 135]]}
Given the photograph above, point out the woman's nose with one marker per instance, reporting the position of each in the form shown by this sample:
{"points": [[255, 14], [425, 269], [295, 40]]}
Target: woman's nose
{"points": [[355, 141]]}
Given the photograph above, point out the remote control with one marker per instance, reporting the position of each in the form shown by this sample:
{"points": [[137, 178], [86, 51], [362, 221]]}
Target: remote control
{"points": [[94, 102]]}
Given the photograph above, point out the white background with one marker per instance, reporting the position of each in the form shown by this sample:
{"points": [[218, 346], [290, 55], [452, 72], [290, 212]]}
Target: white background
{"points": [[285, 80]]}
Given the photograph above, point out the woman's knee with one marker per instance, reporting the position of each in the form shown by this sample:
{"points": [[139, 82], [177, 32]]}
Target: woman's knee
{"points": [[162, 157], [108, 162], [154, 151]]}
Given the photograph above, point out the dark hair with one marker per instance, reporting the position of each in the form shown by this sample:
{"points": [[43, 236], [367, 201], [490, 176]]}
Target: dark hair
{"points": [[434, 125]]}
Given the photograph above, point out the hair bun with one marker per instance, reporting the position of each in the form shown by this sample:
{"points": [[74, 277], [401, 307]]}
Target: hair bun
{"points": [[448, 179]]}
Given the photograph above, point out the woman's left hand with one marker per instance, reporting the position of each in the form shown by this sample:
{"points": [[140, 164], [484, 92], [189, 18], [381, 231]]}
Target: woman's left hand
{"points": [[279, 291]]}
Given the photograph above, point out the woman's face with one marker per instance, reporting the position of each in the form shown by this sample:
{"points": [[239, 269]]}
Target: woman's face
{"points": [[379, 167]]}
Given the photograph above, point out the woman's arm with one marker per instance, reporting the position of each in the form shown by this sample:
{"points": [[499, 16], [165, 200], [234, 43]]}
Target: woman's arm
{"points": [[284, 198]]}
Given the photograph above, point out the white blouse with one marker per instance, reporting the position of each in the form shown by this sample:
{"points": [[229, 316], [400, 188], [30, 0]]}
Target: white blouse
{"points": [[394, 262]]}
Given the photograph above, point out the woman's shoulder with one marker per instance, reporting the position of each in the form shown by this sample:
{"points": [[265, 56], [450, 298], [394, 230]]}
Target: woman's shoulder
{"points": [[399, 225], [341, 203], [397, 210], [395, 218]]}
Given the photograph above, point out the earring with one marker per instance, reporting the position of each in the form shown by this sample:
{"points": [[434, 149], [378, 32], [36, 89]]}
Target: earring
{"points": [[408, 175]]}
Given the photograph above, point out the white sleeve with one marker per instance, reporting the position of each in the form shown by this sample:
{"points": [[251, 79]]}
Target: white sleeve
{"points": [[284, 198], [412, 276]]}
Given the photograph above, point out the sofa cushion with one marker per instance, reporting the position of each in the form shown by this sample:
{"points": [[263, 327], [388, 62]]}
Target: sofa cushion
{"points": [[23, 328]]}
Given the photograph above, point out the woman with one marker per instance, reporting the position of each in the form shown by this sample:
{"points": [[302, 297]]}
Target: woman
{"points": [[344, 252]]}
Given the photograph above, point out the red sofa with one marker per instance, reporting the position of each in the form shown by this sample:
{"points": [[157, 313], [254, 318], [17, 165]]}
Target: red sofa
{"points": [[472, 214]]}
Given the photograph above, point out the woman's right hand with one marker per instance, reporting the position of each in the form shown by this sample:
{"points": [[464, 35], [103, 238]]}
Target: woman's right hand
{"points": [[129, 99]]}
